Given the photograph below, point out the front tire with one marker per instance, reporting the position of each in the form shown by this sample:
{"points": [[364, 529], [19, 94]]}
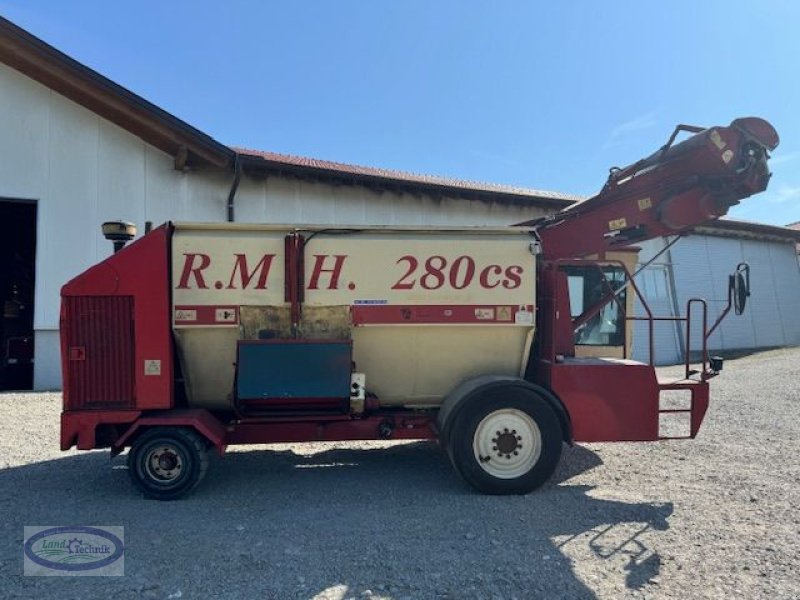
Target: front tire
{"points": [[166, 463], [505, 440]]}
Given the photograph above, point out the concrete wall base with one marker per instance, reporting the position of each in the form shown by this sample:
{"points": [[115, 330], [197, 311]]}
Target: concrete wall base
{"points": [[47, 368]]}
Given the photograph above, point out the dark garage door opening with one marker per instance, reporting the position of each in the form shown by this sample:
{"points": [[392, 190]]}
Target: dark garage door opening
{"points": [[17, 270]]}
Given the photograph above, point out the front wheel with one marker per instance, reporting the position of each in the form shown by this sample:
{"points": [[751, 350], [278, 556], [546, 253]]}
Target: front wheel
{"points": [[505, 440], [165, 463]]}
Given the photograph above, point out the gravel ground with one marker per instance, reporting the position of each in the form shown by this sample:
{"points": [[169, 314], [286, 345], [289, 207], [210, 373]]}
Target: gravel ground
{"points": [[717, 517]]}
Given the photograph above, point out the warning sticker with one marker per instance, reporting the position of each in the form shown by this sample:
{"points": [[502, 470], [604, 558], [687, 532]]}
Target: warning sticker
{"points": [[203, 316], [523, 317], [503, 313], [717, 139], [225, 315], [484, 314], [620, 223], [152, 367], [184, 314]]}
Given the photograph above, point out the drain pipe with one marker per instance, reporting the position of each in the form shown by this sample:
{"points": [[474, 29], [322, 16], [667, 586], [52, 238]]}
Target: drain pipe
{"points": [[237, 176]]}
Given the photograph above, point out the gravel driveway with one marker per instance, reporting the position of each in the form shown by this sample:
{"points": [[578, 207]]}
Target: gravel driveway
{"points": [[717, 517]]}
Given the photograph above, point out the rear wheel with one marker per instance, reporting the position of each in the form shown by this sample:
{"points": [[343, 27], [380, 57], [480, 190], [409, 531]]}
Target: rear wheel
{"points": [[505, 440], [166, 463]]}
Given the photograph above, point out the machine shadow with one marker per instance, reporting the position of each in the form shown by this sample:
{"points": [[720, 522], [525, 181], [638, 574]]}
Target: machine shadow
{"points": [[396, 520], [415, 460]]}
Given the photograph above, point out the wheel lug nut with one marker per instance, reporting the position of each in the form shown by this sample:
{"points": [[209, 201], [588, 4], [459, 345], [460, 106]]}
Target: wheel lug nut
{"points": [[514, 431], [505, 430], [494, 447], [516, 453], [519, 437], [499, 433]]}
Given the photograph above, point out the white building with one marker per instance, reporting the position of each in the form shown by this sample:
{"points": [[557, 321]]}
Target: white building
{"points": [[698, 266], [77, 149]]}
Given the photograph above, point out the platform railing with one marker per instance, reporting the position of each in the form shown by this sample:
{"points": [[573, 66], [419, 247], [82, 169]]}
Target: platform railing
{"points": [[614, 295]]}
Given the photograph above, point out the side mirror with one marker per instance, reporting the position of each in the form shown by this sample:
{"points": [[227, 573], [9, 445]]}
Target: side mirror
{"points": [[740, 287]]}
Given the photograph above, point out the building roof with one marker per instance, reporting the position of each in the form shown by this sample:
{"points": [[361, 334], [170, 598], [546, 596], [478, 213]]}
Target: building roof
{"points": [[399, 180], [748, 229], [796, 226], [195, 149], [57, 71]]}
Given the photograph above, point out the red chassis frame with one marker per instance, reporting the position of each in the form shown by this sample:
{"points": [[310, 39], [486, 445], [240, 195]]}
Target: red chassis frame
{"points": [[605, 400], [80, 428]]}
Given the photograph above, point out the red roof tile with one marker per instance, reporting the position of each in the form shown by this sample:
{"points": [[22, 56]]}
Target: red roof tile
{"points": [[388, 177]]}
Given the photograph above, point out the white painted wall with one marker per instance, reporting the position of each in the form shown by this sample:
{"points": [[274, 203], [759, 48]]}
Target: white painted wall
{"points": [[701, 265], [655, 285], [83, 170]]}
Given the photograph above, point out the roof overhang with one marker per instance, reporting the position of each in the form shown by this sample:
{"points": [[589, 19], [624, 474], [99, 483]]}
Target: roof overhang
{"points": [[54, 69], [191, 148], [747, 230], [256, 162]]}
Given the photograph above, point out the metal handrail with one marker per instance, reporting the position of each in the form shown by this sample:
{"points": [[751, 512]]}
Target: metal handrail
{"points": [[613, 295], [706, 333]]}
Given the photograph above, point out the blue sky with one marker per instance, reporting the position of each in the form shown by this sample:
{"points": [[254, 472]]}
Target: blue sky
{"points": [[544, 95]]}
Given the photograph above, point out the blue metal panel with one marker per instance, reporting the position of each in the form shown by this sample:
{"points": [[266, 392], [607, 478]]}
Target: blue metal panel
{"points": [[293, 369]]}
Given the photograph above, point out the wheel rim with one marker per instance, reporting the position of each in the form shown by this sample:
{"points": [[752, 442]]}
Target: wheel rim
{"points": [[507, 443], [164, 463]]}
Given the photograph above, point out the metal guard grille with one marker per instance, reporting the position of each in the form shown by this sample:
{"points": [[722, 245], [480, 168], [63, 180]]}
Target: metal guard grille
{"points": [[100, 352]]}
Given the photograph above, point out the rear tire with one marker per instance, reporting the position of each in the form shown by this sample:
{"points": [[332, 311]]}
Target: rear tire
{"points": [[166, 463], [505, 440]]}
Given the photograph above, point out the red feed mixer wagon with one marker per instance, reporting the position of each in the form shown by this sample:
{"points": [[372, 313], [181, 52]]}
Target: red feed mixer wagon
{"points": [[500, 343]]}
